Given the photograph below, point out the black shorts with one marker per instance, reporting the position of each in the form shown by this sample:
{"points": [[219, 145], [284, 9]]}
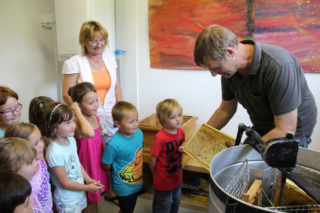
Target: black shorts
{"points": [[127, 203]]}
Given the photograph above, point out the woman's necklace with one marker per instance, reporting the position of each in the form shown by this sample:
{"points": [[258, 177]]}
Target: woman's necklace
{"points": [[97, 61]]}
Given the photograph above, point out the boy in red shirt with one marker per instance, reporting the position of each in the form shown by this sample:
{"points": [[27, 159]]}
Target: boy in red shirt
{"points": [[165, 159]]}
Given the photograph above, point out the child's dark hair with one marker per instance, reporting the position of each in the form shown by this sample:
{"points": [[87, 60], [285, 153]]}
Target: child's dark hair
{"points": [[36, 109], [120, 109], [53, 115], [6, 92], [78, 91], [14, 190]]}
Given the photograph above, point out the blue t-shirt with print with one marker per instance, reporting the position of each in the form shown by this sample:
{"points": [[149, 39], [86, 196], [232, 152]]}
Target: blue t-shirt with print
{"points": [[125, 155], [1, 134]]}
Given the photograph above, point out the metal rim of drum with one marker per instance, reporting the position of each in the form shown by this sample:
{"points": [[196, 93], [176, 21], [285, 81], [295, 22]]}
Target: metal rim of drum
{"points": [[224, 156]]}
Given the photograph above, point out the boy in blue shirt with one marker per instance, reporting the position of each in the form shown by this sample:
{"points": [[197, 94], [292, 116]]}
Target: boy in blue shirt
{"points": [[124, 154]]}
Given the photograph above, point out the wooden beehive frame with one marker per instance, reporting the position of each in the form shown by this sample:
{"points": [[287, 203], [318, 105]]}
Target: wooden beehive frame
{"points": [[292, 195], [219, 137], [254, 194]]}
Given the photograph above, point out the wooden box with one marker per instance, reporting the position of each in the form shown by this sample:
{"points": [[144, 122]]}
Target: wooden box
{"points": [[150, 126], [206, 143]]}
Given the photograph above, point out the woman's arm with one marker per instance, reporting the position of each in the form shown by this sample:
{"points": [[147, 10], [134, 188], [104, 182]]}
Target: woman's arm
{"points": [[61, 174], [84, 128], [118, 92], [69, 80]]}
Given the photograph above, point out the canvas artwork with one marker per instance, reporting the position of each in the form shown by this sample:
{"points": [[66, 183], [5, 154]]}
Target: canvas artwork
{"points": [[291, 24], [175, 24]]}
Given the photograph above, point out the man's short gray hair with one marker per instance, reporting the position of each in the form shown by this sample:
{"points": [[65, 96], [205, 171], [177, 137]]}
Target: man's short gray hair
{"points": [[212, 42]]}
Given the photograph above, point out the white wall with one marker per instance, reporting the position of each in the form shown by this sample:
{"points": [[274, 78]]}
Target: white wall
{"points": [[70, 16], [26, 55], [129, 76], [313, 80], [197, 91]]}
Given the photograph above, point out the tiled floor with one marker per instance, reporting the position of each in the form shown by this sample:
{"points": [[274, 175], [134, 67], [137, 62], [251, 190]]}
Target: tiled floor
{"points": [[143, 206]]}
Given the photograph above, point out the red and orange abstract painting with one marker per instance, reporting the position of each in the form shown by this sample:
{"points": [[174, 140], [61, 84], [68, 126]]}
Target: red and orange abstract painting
{"points": [[175, 24], [291, 24]]}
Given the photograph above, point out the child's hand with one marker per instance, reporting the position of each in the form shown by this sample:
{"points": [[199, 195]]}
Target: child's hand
{"points": [[94, 188], [97, 183], [182, 146], [76, 108]]}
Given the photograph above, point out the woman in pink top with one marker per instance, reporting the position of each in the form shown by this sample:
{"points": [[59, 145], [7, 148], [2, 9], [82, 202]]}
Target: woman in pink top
{"points": [[93, 39]]}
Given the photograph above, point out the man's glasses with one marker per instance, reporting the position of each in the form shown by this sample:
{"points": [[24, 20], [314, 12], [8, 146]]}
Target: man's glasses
{"points": [[96, 42], [10, 112], [218, 67]]}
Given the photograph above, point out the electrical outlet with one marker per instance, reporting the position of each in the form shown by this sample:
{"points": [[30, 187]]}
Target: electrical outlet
{"points": [[64, 57]]}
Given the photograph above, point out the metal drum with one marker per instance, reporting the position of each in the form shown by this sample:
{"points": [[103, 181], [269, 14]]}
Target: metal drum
{"points": [[225, 165]]}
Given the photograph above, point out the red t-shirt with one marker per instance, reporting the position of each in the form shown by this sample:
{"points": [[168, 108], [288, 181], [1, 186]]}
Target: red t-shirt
{"points": [[168, 171]]}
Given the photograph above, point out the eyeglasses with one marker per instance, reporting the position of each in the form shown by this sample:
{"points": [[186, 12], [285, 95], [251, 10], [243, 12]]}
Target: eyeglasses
{"points": [[218, 67], [10, 112], [96, 42]]}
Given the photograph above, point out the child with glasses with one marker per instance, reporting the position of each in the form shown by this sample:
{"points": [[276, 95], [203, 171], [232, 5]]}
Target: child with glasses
{"points": [[165, 159], [10, 109]]}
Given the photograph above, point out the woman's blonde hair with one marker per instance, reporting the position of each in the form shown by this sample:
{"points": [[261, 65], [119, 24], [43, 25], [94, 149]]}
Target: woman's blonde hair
{"points": [[20, 130], [87, 33], [14, 152], [165, 108]]}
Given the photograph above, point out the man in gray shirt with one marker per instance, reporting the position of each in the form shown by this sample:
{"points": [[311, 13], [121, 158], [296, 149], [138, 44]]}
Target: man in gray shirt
{"points": [[266, 80]]}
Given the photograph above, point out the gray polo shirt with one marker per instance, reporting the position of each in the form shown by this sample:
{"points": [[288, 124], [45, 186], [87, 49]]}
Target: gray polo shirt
{"points": [[275, 85]]}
